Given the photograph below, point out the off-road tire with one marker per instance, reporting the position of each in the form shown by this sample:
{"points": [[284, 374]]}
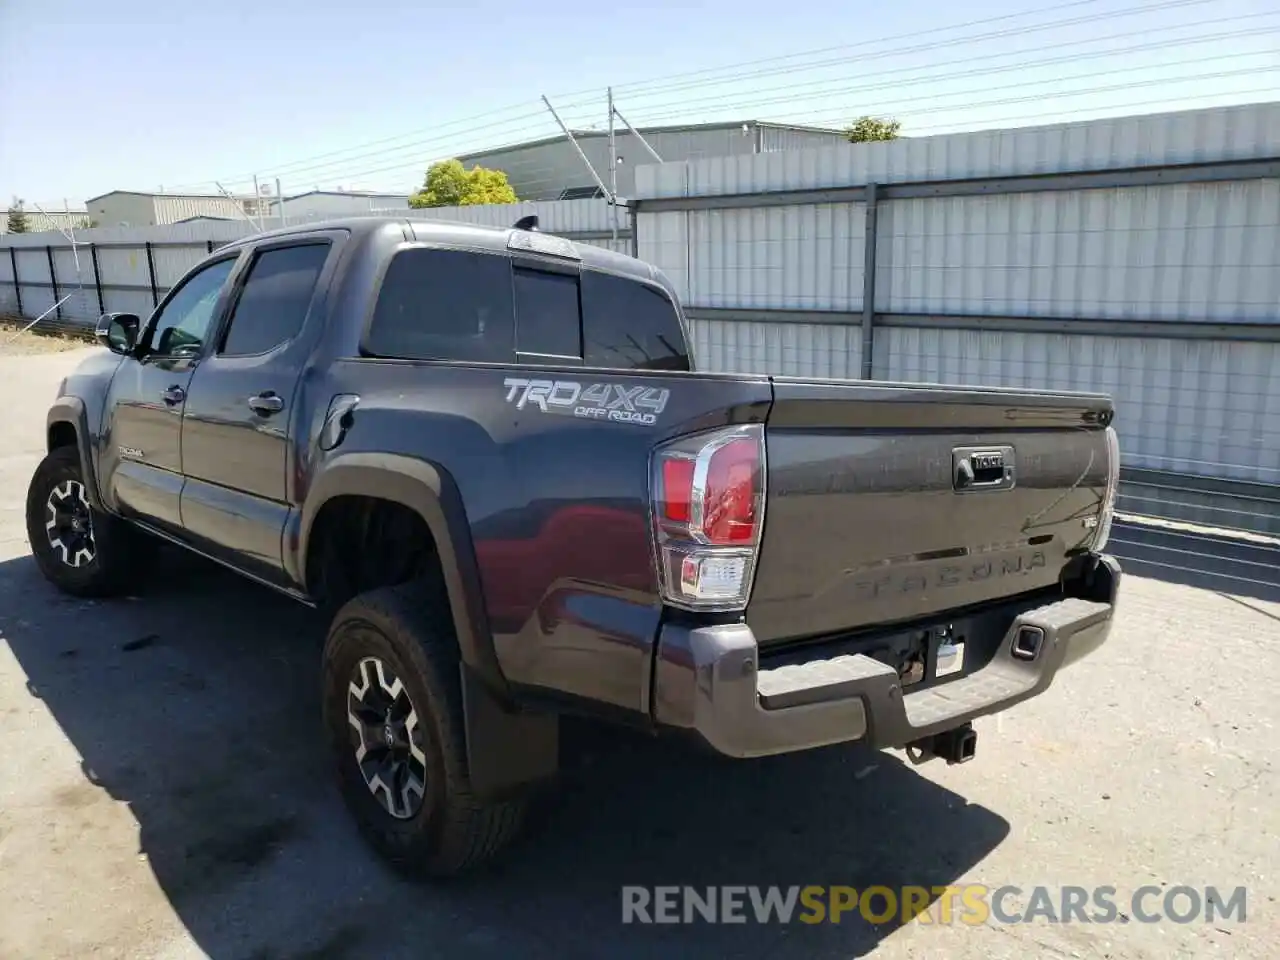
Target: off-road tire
{"points": [[120, 553], [410, 629]]}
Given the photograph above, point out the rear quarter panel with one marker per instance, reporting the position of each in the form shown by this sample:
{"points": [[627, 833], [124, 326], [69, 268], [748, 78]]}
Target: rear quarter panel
{"points": [[556, 504]]}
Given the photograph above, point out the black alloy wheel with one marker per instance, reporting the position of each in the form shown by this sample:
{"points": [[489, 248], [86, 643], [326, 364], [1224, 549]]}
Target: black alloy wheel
{"points": [[69, 524], [387, 738], [393, 711], [79, 548]]}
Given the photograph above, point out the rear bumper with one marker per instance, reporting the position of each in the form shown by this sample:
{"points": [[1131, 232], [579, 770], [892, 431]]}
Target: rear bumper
{"points": [[709, 682]]}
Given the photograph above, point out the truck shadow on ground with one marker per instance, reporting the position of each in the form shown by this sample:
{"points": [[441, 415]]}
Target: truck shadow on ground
{"points": [[198, 707]]}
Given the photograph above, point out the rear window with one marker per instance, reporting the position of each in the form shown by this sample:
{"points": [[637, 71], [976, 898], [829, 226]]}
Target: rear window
{"points": [[444, 305], [630, 325], [547, 314]]}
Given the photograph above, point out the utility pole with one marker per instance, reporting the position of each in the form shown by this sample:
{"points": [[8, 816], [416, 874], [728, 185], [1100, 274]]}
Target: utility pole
{"points": [[257, 202], [280, 201], [613, 168]]}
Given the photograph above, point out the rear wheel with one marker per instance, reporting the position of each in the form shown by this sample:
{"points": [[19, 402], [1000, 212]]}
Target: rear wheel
{"points": [[393, 712], [80, 550]]}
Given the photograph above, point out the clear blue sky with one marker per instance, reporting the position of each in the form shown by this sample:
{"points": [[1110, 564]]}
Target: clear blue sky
{"points": [[136, 94]]}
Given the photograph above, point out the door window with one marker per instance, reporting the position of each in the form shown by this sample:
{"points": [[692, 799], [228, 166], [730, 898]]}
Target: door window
{"points": [[275, 299], [183, 322], [444, 305]]}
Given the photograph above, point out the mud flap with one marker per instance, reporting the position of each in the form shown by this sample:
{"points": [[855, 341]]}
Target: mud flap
{"points": [[508, 751]]}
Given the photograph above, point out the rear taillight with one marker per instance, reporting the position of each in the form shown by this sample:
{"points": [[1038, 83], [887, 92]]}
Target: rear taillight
{"points": [[708, 512], [1108, 511]]}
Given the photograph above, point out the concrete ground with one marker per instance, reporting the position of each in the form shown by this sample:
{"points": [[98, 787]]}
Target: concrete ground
{"points": [[164, 793]]}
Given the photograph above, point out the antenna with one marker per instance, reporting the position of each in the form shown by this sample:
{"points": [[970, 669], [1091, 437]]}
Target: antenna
{"points": [[581, 156], [636, 133], [239, 207]]}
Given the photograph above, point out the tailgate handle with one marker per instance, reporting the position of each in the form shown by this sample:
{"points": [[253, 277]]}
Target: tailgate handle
{"points": [[985, 468]]}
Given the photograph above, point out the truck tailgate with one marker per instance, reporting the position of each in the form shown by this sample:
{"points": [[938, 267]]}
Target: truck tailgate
{"points": [[891, 502]]}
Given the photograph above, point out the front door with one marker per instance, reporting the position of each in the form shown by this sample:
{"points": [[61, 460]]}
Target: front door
{"points": [[141, 458], [236, 424]]}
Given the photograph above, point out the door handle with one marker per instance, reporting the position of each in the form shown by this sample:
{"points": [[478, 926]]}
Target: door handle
{"points": [[174, 395], [266, 404]]}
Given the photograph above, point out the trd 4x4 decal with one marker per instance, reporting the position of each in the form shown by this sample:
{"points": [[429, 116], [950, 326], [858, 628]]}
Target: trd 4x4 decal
{"points": [[595, 401]]}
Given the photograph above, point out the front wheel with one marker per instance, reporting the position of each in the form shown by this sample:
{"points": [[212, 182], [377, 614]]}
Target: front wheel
{"points": [[393, 712], [80, 550]]}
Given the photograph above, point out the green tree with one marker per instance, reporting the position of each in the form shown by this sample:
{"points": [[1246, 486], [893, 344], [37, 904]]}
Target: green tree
{"points": [[489, 186], [18, 218], [449, 184], [868, 129]]}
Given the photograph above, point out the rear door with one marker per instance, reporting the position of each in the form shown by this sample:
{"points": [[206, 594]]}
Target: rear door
{"points": [[239, 410], [888, 503]]}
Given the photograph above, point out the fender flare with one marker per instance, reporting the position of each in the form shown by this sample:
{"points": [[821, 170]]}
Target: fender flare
{"points": [[71, 410], [430, 491]]}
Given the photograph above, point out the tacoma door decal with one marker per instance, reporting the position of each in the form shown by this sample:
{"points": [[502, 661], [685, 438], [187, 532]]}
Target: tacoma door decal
{"points": [[615, 402]]}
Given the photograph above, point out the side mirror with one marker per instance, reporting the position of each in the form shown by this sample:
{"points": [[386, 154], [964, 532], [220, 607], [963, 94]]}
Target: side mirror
{"points": [[118, 332]]}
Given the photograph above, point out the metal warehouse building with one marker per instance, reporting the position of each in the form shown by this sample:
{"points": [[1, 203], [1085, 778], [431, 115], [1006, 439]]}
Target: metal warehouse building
{"points": [[39, 221], [551, 169], [125, 208], [323, 204]]}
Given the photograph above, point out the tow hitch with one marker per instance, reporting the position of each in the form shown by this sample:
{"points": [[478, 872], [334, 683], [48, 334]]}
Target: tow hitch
{"points": [[957, 745]]}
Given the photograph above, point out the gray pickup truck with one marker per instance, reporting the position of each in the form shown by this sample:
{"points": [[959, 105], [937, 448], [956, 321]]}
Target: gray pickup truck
{"points": [[489, 453]]}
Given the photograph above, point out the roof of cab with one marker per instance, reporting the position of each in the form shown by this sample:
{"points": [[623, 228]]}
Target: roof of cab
{"points": [[451, 233]]}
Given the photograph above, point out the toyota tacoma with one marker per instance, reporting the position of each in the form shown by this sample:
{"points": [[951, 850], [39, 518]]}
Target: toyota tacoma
{"points": [[489, 453]]}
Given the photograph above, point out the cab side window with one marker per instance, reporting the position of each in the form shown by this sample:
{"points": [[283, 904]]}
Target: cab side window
{"points": [[630, 325], [179, 330], [444, 305]]}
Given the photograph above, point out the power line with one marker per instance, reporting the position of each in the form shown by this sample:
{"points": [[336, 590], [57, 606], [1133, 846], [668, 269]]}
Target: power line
{"points": [[299, 167], [304, 165], [1165, 101], [418, 152], [538, 120], [415, 160], [758, 95], [968, 104], [1063, 95], [669, 78], [631, 90]]}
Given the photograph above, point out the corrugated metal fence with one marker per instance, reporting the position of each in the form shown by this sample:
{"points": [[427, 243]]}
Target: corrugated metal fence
{"points": [[1138, 256]]}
